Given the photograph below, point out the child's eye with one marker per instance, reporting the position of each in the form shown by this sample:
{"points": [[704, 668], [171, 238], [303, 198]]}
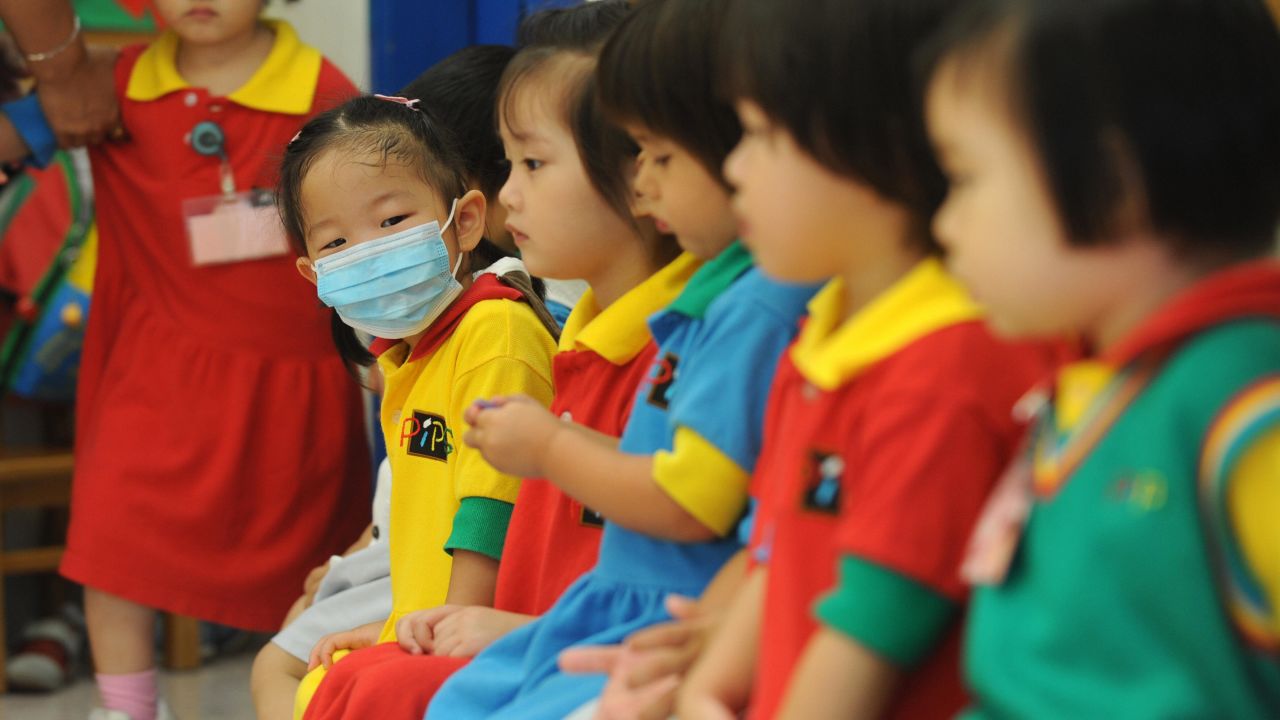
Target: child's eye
{"points": [[396, 220], [335, 244], [531, 164], [662, 160]]}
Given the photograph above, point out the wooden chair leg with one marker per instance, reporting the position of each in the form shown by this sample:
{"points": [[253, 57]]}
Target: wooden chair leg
{"points": [[181, 642]]}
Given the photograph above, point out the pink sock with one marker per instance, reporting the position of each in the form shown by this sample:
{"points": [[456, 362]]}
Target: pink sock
{"points": [[132, 693]]}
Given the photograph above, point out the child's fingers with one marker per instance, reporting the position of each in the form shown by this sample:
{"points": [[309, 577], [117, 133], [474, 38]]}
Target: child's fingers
{"points": [[653, 666], [423, 635], [659, 699], [474, 437], [593, 659], [437, 615], [479, 405], [660, 636], [408, 644], [318, 652], [681, 607]]}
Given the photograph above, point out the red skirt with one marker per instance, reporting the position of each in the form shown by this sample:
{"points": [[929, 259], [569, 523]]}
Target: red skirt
{"points": [[211, 476]]}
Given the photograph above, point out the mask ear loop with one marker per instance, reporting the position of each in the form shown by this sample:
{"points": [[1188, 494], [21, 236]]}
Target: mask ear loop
{"points": [[449, 221]]}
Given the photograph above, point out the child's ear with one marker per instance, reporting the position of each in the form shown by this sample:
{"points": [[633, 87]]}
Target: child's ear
{"points": [[305, 269], [468, 220]]}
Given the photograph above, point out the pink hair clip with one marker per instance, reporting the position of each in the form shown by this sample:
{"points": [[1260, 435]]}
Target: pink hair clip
{"points": [[295, 137], [411, 104]]}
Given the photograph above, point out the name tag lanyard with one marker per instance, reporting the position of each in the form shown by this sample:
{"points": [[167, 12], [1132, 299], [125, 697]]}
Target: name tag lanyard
{"points": [[208, 139], [231, 226]]}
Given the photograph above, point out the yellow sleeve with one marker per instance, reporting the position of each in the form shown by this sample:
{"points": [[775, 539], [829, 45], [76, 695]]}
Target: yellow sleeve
{"points": [[514, 360], [1253, 502], [702, 480]]}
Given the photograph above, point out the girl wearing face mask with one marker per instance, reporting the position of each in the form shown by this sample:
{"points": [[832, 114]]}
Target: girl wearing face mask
{"points": [[373, 200]]}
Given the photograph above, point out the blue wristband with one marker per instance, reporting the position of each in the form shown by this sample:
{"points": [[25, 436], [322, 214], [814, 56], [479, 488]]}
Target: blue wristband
{"points": [[28, 119]]}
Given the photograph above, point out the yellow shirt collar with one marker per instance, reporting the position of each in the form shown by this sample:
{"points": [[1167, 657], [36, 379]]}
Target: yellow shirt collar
{"points": [[621, 331], [926, 299], [284, 83]]}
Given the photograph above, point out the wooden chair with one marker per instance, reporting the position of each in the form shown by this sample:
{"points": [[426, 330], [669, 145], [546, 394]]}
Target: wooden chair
{"points": [[42, 479]]}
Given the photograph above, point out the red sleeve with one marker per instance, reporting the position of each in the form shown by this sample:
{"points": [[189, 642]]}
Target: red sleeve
{"points": [[332, 88], [927, 461]]}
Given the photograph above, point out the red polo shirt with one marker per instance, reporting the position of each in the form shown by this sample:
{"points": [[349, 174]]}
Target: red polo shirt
{"points": [[885, 434]]}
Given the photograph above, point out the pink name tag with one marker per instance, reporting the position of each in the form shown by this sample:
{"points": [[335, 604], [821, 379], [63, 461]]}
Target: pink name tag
{"points": [[999, 529], [235, 228]]}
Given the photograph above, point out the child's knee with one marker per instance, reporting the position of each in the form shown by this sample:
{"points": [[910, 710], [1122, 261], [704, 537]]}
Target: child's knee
{"points": [[273, 664]]}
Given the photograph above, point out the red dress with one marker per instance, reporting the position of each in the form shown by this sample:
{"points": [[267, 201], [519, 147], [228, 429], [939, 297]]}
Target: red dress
{"points": [[220, 445]]}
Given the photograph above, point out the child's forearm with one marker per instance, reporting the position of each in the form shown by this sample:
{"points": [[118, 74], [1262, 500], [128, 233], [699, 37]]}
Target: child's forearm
{"points": [[838, 678], [726, 585], [473, 579], [618, 485], [723, 675]]}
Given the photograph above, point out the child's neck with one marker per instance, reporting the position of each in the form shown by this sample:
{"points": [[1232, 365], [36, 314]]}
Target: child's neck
{"points": [[880, 257], [627, 266], [1163, 277], [222, 68]]}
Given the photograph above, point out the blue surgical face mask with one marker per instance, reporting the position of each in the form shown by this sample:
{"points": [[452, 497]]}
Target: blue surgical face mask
{"points": [[392, 287]]}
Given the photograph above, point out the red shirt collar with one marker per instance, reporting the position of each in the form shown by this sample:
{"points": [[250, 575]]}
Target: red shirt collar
{"points": [[1248, 290], [485, 287]]}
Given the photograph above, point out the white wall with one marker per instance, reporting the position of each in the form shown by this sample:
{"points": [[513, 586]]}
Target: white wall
{"points": [[338, 28]]}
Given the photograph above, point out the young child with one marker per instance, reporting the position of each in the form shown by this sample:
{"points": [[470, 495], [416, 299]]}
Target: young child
{"points": [[372, 194], [657, 70], [673, 490], [604, 354], [191, 372], [459, 93], [890, 418], [1145, 582]]}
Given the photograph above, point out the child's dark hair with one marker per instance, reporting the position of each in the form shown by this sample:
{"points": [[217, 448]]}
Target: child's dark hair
{"points": [[837, 76], [582, 26], [1181, 99], [564, 43], [659, 69], [370, 125], [461, 92]]}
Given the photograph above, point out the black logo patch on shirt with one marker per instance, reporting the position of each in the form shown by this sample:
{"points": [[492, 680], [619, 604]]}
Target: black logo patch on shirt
{"points": [[591, 518], [822, 488], [426, 435], [663, 375]]}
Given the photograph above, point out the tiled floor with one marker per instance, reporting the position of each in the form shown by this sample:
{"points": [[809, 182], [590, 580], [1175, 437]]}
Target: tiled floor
{"points": [[217, 691]]}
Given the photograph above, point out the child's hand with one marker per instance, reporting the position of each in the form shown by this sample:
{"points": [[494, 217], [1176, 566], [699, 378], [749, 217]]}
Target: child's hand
{"points": [[619, 700], [472, 629], [415, 631], [670, 648], [645, 673], [361, 637], [512, 433]]}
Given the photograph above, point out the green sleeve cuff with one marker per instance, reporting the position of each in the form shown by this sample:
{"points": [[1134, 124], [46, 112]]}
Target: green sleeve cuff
{"points": [[480, 525], [888, 613]]}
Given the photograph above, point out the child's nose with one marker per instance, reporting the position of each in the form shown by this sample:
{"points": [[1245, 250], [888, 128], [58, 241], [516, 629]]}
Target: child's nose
{"points": [[508, 196], [645, 186]]}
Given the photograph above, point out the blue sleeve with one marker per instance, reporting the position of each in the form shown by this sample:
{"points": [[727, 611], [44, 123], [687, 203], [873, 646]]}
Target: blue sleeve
{"points": [[28, 119], [748, 523], [725, 379]]}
